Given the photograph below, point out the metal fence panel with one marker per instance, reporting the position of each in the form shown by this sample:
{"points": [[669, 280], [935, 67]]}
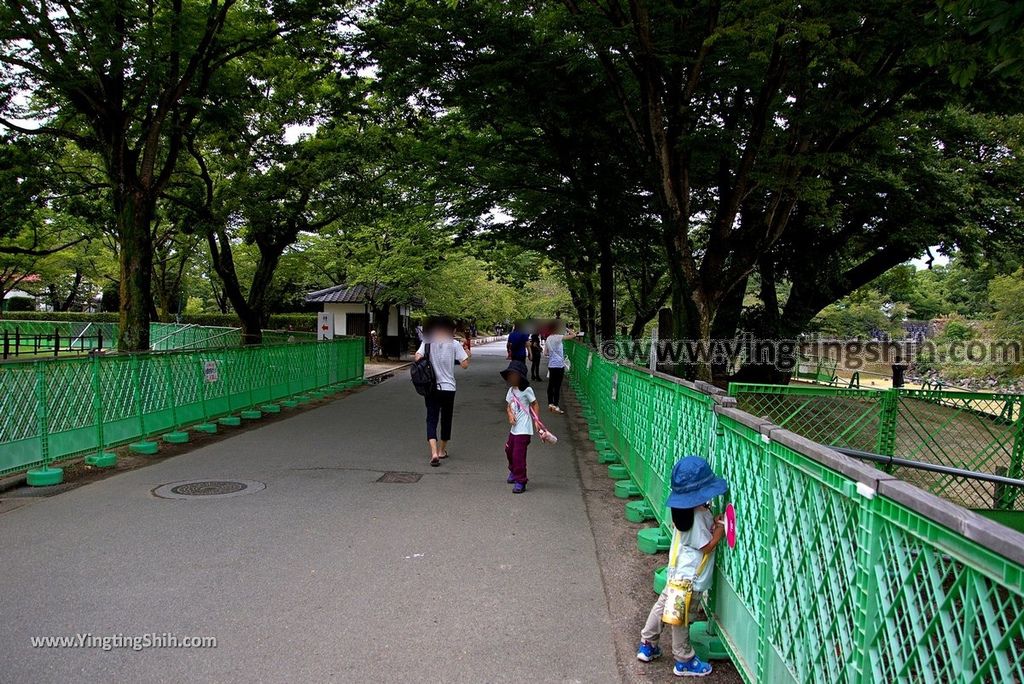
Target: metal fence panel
{"points": [[976, 431], [54, 409]]}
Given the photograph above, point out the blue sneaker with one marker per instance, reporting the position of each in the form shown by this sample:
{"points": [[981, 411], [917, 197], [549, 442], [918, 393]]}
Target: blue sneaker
{"points": [[694, 667], [511, 478], [518, 488], [647, 652]]}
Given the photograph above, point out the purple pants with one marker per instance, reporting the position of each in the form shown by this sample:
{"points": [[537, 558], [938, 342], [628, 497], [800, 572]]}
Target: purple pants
{"points": [[515, 450]]}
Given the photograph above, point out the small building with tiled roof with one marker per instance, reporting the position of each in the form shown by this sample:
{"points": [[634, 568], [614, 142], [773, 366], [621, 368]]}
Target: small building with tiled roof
{"points": [[350, 307]]}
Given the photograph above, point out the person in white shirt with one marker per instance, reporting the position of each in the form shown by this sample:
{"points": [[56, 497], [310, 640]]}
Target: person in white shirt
{"points": [[445, 352], [555, 351]]}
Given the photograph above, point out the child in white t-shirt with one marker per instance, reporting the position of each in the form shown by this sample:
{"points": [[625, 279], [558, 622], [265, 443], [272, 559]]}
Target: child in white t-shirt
{"points": [[691, 562], [521, 406]]}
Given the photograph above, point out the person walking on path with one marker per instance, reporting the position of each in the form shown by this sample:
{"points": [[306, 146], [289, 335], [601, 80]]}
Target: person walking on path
{"points": [[691, 564], [535, 353], [517, 341], [521, 405], [444, 352], [555, 351]]}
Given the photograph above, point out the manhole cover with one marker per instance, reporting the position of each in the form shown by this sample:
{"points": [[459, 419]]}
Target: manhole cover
{"points": [[392, 477], [207, 489]]}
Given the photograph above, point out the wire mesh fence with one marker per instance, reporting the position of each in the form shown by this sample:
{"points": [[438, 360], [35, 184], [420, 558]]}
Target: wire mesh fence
{"points": [[50, 410], [976, 431], [62, 338], [841, 573]]}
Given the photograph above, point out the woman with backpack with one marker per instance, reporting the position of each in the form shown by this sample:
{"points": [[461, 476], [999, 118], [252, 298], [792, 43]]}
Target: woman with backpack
{"points": [[442, 352]]}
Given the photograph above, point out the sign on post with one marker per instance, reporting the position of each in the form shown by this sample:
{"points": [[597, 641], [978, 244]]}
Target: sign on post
{"points": [[210, 371], [325, 326]]}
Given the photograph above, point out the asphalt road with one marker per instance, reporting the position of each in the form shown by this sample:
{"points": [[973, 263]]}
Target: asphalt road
{"points": [[324, 575]]}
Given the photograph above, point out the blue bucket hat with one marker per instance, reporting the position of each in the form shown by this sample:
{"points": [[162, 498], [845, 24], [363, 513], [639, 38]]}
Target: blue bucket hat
{"points": [[694, 483]]}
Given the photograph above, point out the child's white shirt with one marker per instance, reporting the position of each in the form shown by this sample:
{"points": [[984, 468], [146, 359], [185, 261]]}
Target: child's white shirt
{"points": [[524, 419], [689, 555]]}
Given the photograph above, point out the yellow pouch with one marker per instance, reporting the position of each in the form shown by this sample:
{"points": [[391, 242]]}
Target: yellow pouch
{"points": [[679, 593]]}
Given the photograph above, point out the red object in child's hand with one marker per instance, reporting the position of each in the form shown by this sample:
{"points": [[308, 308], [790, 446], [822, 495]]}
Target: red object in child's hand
{"points": [[730, 525]]}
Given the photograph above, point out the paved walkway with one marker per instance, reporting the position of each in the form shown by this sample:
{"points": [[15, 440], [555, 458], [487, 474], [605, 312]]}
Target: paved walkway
{"points": [[325, 575]]}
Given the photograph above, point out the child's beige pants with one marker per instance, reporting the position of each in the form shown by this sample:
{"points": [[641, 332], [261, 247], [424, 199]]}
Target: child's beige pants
{"points": [[681, 648]]}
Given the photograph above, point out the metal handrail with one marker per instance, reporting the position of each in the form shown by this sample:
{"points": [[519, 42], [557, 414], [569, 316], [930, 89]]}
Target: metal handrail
{"points": [[931, 467]]}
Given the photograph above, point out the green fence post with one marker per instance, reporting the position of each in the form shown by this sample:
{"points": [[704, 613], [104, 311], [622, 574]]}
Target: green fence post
{"points": [[101, 459], [175, 436], [44, 475], [866, 601], [143, 446], [766, 572], [199, 366], [885, 441], [226, 373], [252, 413], [1008, 500]]}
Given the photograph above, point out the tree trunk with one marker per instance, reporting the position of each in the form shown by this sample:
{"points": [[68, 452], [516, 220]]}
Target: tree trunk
{"points": [[252, 326], [134, 216], [606, 274], [381, 314], [727, 322]]}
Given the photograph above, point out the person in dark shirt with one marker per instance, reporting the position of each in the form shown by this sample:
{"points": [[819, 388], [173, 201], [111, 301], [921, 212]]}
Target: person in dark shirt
{"points": [[899, 368], [535, 354], [517, 342]]}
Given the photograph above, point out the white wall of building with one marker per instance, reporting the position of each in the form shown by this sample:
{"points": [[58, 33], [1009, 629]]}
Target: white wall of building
{"points": [[341, 310]]}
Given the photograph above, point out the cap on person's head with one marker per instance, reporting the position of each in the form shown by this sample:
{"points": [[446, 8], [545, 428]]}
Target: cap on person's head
{"points": [[519, 368], [694, 483]]}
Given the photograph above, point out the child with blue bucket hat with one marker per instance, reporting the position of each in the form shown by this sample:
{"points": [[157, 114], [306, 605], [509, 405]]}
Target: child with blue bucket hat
{"points": [[691, 564]]}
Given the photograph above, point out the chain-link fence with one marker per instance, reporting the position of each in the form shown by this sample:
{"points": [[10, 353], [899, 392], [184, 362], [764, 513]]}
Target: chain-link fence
{"points": [[976, 431], [50, 410]]}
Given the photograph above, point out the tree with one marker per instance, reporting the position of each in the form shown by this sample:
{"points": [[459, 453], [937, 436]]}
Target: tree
{"points": [[738, 109], [1007, 293], [517, 129], [126, 80]]}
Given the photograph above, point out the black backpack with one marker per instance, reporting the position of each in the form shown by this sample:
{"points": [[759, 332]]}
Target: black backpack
{"points": [[422, 374]]}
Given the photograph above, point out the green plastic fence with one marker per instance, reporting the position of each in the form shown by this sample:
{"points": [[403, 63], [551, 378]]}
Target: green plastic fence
{"points": [[841, 573], [980, 431], [50, 410]]}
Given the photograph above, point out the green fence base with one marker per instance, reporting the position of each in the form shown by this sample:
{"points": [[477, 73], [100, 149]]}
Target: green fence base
{"points": [[596, 435], [626, 489], [602, 444], [303, 398], [44, 477], [251, 414], [652, 540], [289, 403], [660, 579], [318, 394], [208, 428], [104, 459], [639, 511], [145, 448], [230, 421], [618, 472], [607, 456], [270, 408], [177, 437], [706, 642]]}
